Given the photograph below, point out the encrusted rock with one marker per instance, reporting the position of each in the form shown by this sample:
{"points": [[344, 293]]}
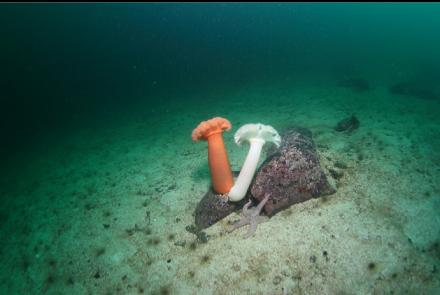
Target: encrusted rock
{"points": [[213, 208], [291, 174]]}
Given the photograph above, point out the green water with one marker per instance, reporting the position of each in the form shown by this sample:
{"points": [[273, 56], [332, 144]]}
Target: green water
{"points": [[99, 176]]}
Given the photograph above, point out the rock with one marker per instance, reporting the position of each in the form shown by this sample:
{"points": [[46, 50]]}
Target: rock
{"points": [[291, 174], [212, 209], [415, 89], [348, 124]]}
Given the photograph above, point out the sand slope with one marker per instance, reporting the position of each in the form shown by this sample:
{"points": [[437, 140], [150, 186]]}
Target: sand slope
{"points": [[105, 211]]}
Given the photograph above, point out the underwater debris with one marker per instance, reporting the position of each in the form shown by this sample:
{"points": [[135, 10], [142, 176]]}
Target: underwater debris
{"points": [[202, 237], [193, 246], [277, 279], [325, 254], [136, 229], [191, 229], [355, 84], [154, 241], [205, 259], [348, 124]]}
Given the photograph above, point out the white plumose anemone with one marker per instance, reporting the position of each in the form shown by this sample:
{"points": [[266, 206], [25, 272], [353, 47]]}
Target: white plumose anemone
{"points": [[257, 135]]}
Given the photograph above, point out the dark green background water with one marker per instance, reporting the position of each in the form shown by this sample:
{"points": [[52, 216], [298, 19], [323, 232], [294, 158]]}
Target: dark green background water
{"points": [[64, 65]]}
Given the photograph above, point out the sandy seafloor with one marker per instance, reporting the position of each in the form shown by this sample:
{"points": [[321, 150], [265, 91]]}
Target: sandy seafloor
{"points": [[104, 211]]}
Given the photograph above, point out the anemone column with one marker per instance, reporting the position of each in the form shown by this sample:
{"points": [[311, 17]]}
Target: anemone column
{"points": [[211, 131]]}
